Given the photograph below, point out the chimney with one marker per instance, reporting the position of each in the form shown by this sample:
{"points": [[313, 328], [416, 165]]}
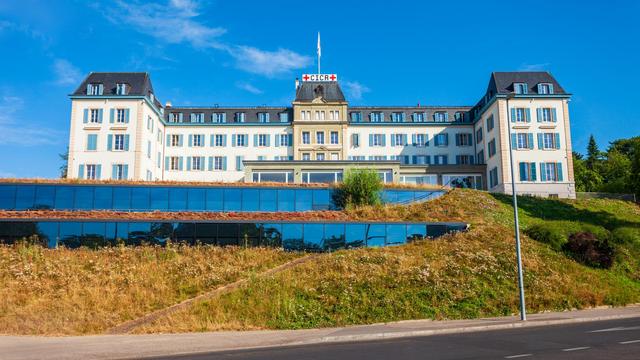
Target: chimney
{"points": [[167, 104], [297, 84]]}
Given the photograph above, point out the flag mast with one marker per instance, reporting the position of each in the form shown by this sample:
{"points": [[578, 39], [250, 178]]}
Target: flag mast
{"points": [[319, 52]]}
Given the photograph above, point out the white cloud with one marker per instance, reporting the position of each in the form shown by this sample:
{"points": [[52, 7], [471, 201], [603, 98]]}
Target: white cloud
{"points": [[248, 87], [177, 22], [355, 90], [533, 67], [22, 133], [66, 73]]}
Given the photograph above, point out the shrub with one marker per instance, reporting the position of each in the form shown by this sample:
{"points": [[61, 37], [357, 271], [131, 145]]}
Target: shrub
{"points": [[586, 248], [359, 187], [548, 235], [626, 235]]}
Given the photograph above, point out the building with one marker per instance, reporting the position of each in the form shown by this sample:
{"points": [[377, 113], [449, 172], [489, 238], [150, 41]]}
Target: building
{"points": [[119, 130]]}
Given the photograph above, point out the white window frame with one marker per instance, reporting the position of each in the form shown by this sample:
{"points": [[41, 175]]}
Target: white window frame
{"points": [[121, 89], [174, 163], [377, 140], [320, 157], [262, 140], [118, 142], [218, 140], [91, 171], [334, 140], [521, 115], [94, 117], [218, 163], [548, 141], [198, 140], [196, 163], [522, 141], [241, 140], [175, 140], [120, 116], [119, 175], [320, 137]]}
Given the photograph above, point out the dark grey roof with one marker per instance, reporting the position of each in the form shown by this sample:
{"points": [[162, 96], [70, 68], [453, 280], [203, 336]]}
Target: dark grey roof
{"points": [[251, 113], [308, 89], [502, 82], [428, 111], [139, 83]]}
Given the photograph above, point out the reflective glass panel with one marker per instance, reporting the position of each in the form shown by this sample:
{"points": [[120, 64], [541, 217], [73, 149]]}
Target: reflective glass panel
{"points": [[321, 177], [110, 233], [435, 230], [416, 232], [45, 197], [322, 199], [23, 230], [122, 233], [268, 200], [304, 200], [250, 199], [6, 232], [227, 234], [122, 198], [160, 233], [178, 199], [249, 234], [84, 198], [286, 200], [25, 197], [7, 197], [70, 234], [375, 234], [232, 200], [292, 236], [159, 198], [334, 236], [280, 177], [184, 232], [103, 197], [138, 233], [404, 197], [196, 199], [396, 234], [93, 235], [272, 235], [355, 235], [214, 200], [139, 198], [48, 232], [206, 233], [313, 236]]}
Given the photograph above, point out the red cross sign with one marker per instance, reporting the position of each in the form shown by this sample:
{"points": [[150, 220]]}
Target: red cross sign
{"points": [[319, 77]]}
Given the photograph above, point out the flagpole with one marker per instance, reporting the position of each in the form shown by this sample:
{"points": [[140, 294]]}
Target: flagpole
{"points": [[319, 52]]}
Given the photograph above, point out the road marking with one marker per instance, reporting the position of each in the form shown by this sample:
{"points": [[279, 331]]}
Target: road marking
{"points": [[629, 342], [620, 328], [517, 356], [577, 348]]}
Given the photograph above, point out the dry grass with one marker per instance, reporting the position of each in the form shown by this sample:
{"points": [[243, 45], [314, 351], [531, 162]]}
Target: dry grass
{"points": [[70, 292]]}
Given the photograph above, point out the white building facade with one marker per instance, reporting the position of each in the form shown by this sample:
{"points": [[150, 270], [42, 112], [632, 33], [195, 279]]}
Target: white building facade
{"points": [[120, 131]]}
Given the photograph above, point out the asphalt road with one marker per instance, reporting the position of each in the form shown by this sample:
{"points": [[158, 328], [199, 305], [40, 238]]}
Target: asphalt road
{"points": [[613, 339]]}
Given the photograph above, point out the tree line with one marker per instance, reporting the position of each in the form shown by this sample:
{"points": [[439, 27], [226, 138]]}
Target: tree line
{"points": [[616, 170]]}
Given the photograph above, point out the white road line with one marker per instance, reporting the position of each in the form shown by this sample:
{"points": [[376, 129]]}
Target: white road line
{"points": [[629, 342], [577, 348], [517, 356]]}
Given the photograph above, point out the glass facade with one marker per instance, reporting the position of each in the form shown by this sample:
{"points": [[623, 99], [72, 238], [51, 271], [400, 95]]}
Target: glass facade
{"points": [[181, 198], [309, 236]]}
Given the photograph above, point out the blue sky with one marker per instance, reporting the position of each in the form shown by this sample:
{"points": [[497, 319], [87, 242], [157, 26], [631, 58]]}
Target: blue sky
{"points": [[249, 52]]}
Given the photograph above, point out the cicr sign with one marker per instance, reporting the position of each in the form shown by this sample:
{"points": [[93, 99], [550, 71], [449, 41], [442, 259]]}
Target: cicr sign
{"points": [[319, 77]]}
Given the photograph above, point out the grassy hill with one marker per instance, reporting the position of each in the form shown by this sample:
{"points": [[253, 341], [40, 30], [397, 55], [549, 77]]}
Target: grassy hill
{"points": [[465, 275]]}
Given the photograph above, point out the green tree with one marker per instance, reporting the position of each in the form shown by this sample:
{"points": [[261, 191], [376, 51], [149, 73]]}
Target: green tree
{"points": [[359, 187], [593, 153], [586, 180], [65, 165], [635, 169], [616, 173]]}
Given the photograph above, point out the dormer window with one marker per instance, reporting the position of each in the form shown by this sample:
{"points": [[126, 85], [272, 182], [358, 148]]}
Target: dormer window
{"points": [[459, 116], [356, 116], [520, 88], [284, 116], [151, 97], [397, 117], [545, 88], [95, 89], [240, 116], [121, 89], [376, 116], [440, 116], [263, 117]]}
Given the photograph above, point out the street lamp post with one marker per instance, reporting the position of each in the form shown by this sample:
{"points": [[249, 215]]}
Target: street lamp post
{"points": [[523, 311]]}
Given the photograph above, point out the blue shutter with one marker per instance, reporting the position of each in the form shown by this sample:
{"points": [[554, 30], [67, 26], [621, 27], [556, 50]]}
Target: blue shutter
{"points": [[550, 88], [212, 141], [246, 140], [114, 172], [414, 159], [554, 115], [166, 163], [457, 139], [446, 116], [100, 116], [180, 117], [528, 114], [238, 163], [540, 142], [404, 139], [192, 117], [224, 163], [255, 140], [384, 139], [472, 160], [98, 171], [81, 171], [370, 139], [543, 174], [276, 140], [126, 142], [458, 158], [530, 140], [427, 159], [109, 142], [126, 116], [426, 140], [393, 140], [112, 115], [268, 138], [559, 169], [125, 172], [233, 140], [446, 139], [210, 163], [290, 140], [557, 142], [168, 144], [539, 114], [180, 163], [85, 116], [513, 115], [523, 171], [100, 89], [188, 163], [180, 138], [413, 140], [88, 89], [532, 169], [190, 140], [224, 117], [539, 88], [514, 141]]}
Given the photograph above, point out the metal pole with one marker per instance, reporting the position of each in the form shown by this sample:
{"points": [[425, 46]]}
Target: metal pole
{"points": [[523, 311]]}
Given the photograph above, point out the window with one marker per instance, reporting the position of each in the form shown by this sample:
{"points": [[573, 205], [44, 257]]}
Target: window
{"points": [[306, 137], [378, 158], [376, 116], [490, 123], [92, 142], [175, 140], [549, 141], [175, 117], [118, 142], [219, 118], [527, 171], [522, 141], [197, 117], [95, 116], [440, 159], [149, 175], [306, 115], [398, 139], [263, 140], [520, 88], [95, 89], [121, 89], [458, 116], [121, 116], [464, 159], [306, 156], [355, 140], [546, 115], [334, 138], [219, 140], [219, 162], [493, 177], [480, 157], [91, 172], [334, 115], [196, 163], [356, 116], [241, 140], [148, 149], [492, 148], [175, 163], [284, 117], [421, 159], [320, 137], [240, 116], [198, 140], [440, 116], [319, 115], [441, 140], [119, 172], [418, 117], [283, 140], [376, 140], [149, 123], [545, 88], [465, 139], [479, 135], [520, 115], [551, 172], [397, 117], [357, 158], [263, 117], [320, 156]]}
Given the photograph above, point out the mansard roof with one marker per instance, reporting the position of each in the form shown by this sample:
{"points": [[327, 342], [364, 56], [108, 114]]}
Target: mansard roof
{"points": [[139, 82], [331, 91], [502, 82]]}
